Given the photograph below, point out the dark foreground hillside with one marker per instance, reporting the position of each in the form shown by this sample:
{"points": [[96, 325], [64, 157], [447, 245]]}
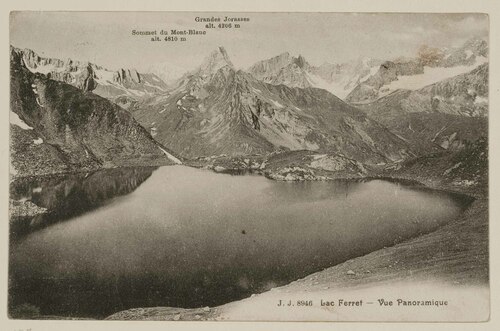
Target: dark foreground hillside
{"points": [[56, 127]]}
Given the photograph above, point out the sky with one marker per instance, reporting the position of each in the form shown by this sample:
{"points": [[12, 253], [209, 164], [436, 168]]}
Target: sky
{"points": [[105, 38]]}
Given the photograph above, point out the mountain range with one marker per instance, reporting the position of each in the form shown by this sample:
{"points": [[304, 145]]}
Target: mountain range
{"points": [[124, 83], [70, 114], [339, 79], [430, 66], [57, 127], [444, 115], [220, 110]]}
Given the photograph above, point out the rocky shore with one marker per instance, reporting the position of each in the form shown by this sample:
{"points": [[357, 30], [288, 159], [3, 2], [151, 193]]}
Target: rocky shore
{"points": [[453, 257]]}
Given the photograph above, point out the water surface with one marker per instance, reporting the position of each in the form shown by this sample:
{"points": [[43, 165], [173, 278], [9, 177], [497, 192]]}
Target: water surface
{"points": [[184, 237]]}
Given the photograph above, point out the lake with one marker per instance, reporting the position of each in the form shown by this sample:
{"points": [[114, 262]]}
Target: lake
{"points": [[184, 237]]}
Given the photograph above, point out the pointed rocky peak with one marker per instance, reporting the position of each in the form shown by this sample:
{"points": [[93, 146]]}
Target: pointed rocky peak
{"points": [[277, 62], [274, 65], [284, 56], [280, 60], [222, 51], [216, 60], [301, 62], [15, 56], [128, 75]]}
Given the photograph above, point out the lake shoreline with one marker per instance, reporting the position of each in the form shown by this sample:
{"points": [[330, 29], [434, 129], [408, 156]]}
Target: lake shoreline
{"points": [[466, 265], [380, 262]]}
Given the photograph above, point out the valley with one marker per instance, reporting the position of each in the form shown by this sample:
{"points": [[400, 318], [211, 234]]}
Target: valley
{"points": [[282, 141]]}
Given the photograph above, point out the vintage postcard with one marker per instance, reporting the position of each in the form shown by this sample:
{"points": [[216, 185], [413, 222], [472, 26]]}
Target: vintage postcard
{"points": [[246, 166]]}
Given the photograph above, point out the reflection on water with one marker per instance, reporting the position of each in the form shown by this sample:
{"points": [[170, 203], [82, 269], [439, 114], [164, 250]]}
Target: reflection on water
{"points": [[73, 194], [189, 238]]}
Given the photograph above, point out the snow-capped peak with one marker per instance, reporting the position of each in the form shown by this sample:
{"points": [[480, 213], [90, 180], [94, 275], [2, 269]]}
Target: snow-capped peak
{"points": [[339, 79]]}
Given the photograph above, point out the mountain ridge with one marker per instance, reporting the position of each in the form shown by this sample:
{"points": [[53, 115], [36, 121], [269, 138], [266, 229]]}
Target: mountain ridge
{"points": [[286, 69], [430, 66], [446, 115], [216, 109], [113, 85], [231, 112], [56, 127]]}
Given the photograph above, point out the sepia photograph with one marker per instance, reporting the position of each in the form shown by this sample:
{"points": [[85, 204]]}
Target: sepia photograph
{"points": [[248, 166]]}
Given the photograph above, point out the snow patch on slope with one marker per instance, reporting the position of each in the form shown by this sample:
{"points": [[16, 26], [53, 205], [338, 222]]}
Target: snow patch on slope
{"points": [[277, 104], [430, 76], [170, 156], [16, 120], [104, 77], [336, 87], [45, 69], [480, 99]]}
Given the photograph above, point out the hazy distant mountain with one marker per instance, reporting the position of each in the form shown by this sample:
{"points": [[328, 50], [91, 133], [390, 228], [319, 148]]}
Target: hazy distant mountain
{"points": [[218, 110], [338, 79], [344, 77], [58, 127], [124, 85], [430, 66], [167, 71]]}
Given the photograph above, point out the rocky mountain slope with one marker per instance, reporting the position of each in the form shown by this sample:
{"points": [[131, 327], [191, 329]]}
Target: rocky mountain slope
{"points": [[464, 95], [466, 168], [219, 110], [338, 79], [56, 127], [124, 85], [444, 115], [283, 104], [283, 69], [430, 66]]}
